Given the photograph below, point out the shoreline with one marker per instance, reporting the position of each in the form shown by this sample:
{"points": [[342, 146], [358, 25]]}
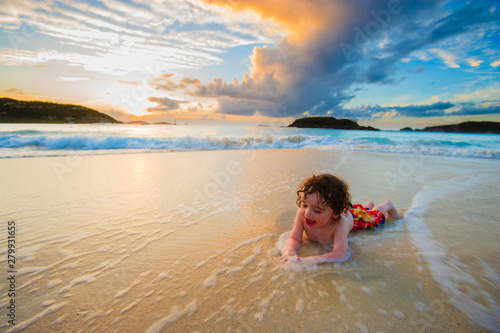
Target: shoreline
{"points": [[114, 152]]}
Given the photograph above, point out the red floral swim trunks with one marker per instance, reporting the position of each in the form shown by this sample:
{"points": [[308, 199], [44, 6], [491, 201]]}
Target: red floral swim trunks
{"points": [[365, 218]]}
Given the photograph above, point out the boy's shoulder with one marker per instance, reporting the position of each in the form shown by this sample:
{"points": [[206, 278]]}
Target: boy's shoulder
{"points": [[346, 222]]}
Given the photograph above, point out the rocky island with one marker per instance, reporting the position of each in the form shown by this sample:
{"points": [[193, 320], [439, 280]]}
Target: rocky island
{"points": [[490, 127], [14, 111], [486, 127], [330, 122]]}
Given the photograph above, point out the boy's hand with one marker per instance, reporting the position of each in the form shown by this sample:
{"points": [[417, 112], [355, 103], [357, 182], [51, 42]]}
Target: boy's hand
{"points": [[290, 257]]}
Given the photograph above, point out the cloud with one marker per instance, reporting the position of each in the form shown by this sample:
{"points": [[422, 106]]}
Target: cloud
{"points": [[429, 110], [117, 38], [164, 82], [420, 69], [331, 46], [449, 59], [71, 79], [482, 108], [165, 104], [16, 91], [438, 109], [474, 62], [130, 82], [303, 20]]}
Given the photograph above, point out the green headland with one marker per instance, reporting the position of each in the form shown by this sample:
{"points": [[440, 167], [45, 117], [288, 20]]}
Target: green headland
{"points": [[14, 111]]}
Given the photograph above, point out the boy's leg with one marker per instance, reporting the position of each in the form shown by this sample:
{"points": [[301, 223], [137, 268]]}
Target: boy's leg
{"points": [[388, 208], [370, 205]]}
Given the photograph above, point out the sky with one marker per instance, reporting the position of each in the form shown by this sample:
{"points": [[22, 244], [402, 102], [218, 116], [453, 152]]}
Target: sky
{"points": [[384, 63]]}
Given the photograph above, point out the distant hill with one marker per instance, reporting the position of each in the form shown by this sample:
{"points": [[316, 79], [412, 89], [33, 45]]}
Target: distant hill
{"points": [[490, 127], [137, 122], [330, 122], [14, 111]]}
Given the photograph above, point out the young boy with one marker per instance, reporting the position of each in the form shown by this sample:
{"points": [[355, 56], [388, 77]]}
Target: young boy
{"points": [[326, 215]]}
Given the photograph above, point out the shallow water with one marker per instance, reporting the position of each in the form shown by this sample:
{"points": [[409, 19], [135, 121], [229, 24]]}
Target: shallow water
{"points": [[188, 241]]}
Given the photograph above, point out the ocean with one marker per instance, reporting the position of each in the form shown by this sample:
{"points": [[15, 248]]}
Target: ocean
{"points": [[33, 140], [161, 228]]}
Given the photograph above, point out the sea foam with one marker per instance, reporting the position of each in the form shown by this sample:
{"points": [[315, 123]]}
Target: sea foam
{"points": [[449, 273]]}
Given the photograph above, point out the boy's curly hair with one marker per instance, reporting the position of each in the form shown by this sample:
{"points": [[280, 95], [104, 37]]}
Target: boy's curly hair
{"points": [[333, 190]]}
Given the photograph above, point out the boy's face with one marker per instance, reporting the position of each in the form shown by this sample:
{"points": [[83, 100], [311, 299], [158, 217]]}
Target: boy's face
{"points": [[315, 213]]}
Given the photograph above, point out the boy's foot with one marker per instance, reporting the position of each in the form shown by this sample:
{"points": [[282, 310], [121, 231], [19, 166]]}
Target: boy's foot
{"points": [[393, 212]]}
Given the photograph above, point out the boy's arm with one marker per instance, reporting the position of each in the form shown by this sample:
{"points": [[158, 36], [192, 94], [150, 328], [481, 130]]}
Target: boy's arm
{"points": [[340, 242], [295, 240]]}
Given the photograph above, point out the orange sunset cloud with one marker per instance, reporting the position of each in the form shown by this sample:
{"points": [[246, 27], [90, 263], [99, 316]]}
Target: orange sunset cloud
{"points": [[305, 19]]}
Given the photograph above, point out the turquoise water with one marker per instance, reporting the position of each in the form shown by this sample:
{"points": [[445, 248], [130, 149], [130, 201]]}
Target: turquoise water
{"points": [[31, 140]]}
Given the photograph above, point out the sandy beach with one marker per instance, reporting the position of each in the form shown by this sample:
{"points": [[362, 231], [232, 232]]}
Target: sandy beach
{"points": [[189, 242]]}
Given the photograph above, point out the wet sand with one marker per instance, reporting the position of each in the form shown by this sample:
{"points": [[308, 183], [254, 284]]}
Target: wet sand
{"points": [[188, 241]]}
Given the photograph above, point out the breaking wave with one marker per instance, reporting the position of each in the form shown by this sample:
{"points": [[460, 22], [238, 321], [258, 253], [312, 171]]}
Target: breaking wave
{"points": [[29, 142]]}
